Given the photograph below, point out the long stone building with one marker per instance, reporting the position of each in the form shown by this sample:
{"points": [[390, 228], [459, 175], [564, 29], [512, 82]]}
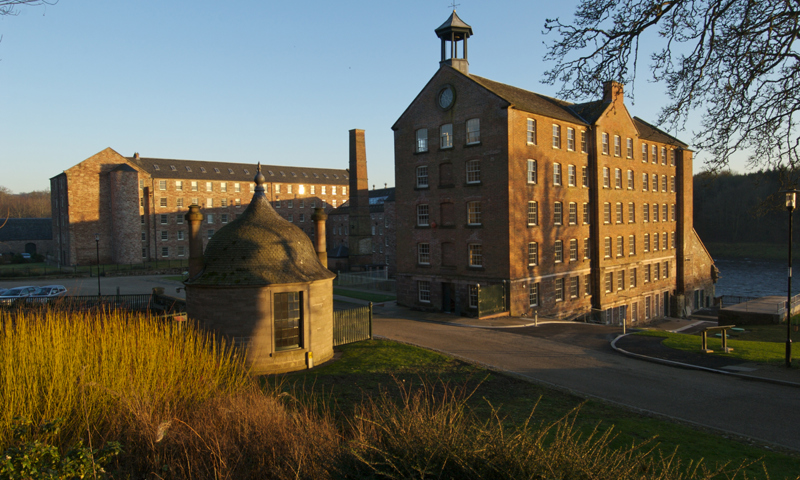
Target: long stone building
{"points": [[508, 200], [137, 204]]}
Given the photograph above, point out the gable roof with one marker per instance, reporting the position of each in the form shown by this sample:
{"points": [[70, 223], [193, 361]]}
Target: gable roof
{"points": [[243, 172], [21, 229], [650, 132]]}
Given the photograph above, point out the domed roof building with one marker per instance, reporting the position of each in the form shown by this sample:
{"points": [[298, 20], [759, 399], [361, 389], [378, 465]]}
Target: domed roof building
{"points": [[261, 284]]}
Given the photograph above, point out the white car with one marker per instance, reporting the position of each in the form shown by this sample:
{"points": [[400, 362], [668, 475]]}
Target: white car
{"points": [[16, 293], [49, 291]]}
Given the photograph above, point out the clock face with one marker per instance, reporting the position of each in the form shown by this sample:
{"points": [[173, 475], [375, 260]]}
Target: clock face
{"points": [[446, 97]]}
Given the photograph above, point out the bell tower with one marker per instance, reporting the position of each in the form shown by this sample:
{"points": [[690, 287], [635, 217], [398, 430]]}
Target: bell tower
{"points": [[454, 30]]}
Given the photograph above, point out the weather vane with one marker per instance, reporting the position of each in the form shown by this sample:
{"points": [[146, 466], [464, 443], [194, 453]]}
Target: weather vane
{"points": [[454, 5]]}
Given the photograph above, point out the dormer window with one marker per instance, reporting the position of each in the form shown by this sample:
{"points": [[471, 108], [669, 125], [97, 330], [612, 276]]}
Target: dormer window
{"points": [[230, 170], [156, 167], [216, 170], [172, 167], [282, 174], [271, 174], [247, 171], [188, 168], [203, 169], [325, 175], [305, 174], [294, 174], [316, 176]]}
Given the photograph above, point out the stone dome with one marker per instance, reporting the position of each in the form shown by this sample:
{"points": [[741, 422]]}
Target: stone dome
{"points": [[260, 248]]}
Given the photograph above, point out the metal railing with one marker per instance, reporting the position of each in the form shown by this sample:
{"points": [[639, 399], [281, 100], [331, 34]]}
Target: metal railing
{"points": [[353, 325], [22, 270], [141, 302], [377, 280]]}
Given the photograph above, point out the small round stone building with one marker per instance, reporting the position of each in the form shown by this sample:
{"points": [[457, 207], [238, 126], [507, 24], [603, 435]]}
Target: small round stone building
{"points": [[260, 284]]}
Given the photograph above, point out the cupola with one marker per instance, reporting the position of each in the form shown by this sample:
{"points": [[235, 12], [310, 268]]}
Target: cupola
{"points": [[454, 30]]}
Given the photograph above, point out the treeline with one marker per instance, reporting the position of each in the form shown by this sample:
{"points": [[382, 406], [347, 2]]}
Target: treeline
{"points": [[741, 208], [34, 204]]}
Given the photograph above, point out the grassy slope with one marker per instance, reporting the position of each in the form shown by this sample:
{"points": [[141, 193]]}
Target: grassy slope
{"points": [[765, 251], [367, 367]]}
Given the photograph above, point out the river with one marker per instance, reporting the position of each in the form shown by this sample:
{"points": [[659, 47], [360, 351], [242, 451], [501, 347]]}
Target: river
{"points": [[754, 277]]}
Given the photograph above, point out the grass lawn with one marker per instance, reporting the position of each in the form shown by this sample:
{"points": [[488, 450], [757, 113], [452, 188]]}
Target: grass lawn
{"points": [[366, 368], [766, 251], [368, 296], [767, 352]]}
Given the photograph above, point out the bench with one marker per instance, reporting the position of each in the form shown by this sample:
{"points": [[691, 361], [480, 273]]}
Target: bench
{"points": [[723, 330]]}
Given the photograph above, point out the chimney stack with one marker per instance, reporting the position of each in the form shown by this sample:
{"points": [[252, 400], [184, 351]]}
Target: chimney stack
{"points": [[320, 244], [612, 91], [195, 219]]}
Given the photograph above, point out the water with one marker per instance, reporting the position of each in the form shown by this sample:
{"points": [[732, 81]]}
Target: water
{"points": [[755, 278]]}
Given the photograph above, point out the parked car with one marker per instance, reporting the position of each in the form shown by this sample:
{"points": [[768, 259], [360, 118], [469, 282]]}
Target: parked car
{"points": [[26, 256], [49, 291], [16, 293]]}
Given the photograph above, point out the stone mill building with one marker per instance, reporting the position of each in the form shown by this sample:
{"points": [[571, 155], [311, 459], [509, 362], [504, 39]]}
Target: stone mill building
{"points": [[260, 283]]}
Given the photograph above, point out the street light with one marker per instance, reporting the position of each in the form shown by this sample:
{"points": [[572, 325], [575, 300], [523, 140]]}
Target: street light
{"points": [[97, 241], [790, 204]]}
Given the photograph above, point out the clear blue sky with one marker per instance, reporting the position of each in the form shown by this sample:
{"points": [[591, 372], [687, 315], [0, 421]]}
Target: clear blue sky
{"points": [[245, 81]]}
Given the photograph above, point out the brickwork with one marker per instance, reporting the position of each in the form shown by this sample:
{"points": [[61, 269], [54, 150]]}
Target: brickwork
{"points": [[555, 201], [126, 226]]}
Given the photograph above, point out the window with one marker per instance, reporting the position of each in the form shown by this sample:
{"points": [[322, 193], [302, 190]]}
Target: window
{"points": [[583, 141], [620, 247], [663, 183], [163, 201], [655, 212], [238, 202], [475, 255], [571, 139], [324, 190], [344, 190], [422, 140], [223, 202], [655, 182], [621, 280], [617, 146], [474, 171], [209, 187], [606, 212], [277, 187], [532, 175], [573, 250], [573, 287], [559, 289], [633, 279], [474, 213], [672, 184], [585, 176], [617, 178], [558, 213], [531, 131], [587, 249], [211, 232], [666, 269], [573, 213], [210, 218], [194, 201], [224, 218], [654, 153], [313, 190], [672, 157], [194, 186], [164, 235], [179, 185], [647, 306], [607, 245], [586, 214], [162, 184], [533, 254], [556, 174], [609, 277], [558, 251], [664, 240], [571, 175], [647, 274], [223, 187], [645, 183], [533, 294], [422, 176], [446, 136], [164, 219], [619, 212], [672, 242], [630, 148], [181, 251], [179, 219], [655, 242], [663, 155], [646, 212], [632, 245], [209, 203], [646, 242], [473, 131], [424, 253], [644, 153], [287, 316], [422, 215], [533, 213], [556, 136], [165, 251], [587, 285], [630, 180], [605, 143], [656, 271], [238, 188], [606, 177], [473, 296]]}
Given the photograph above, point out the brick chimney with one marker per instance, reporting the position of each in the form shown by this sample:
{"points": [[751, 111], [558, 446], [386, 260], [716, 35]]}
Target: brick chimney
{"points": [[320, 244], [612, 91], [195, 219], [360, 237]]}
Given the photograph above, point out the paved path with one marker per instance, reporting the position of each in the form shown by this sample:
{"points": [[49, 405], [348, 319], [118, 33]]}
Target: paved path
{"points": [[763, 411]]}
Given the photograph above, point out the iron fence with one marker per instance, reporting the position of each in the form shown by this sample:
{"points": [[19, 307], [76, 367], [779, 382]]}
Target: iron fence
{"points": [[353, 325], [22, 270]]}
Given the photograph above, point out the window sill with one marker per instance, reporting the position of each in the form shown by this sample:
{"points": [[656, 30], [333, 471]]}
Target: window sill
{"points": [[421, 152], [422, 188], [473, 144], [531, 225], [425, 227], [445, 148], [473, 184], [476, 268], [423, 265], [469, 225]]}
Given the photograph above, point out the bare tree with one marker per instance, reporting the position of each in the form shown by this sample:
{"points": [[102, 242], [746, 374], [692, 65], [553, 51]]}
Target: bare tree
{"points": [[9, 7], [735, 60]]}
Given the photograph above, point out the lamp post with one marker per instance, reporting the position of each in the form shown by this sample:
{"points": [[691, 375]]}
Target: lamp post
{"points": [[97, 242], [790, 204]]}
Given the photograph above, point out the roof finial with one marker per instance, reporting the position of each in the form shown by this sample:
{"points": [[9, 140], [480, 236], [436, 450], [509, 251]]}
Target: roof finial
{"points": [[260, 180], [454, 5]]}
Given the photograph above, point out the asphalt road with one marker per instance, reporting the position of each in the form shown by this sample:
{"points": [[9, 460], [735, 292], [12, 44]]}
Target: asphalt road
{"points": [[128, 285], [578, 358]]}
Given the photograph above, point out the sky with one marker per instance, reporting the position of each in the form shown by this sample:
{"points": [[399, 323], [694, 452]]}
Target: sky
{"points": [[245, 81]]}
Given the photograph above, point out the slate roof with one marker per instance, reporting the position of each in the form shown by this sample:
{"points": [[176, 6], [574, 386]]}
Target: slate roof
{"points": [[650, 132], [376, 200], [22, 229], [241, 172], [453, 22], [260, 248]]}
